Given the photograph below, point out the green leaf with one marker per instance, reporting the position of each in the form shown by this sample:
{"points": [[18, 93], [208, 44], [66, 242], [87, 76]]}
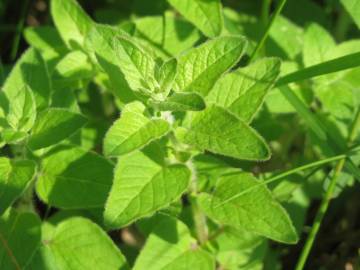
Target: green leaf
{"points": [[201, 67], [286, 37], [317, 43], [19, 238], [54, 125], [169, 34], [30, 71], [174, 249], [242, 92], [19, 109], [165, 75], [45, 39], [133, 131], [241, 250], [204, 14], [72, 68], [137, 64], [15, 177], [77, 243], [353, 7], [255, 211], [143, 185], [101, 46], [180, 101], [218, 131], [73, 178], [71, 21], [10, 136]]}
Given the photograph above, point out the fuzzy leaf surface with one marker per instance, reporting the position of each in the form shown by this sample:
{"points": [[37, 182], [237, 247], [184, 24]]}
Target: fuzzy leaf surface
{"points": [[174, 248], [204, 14], [133, 131], [142, 185], [219, 131], [73, 178], [54, 125], [15, 176], [242, 92], [255, 211], [200, 67]]}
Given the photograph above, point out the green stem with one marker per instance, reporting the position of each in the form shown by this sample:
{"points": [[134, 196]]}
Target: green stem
{"points": [[200, 222], [319, 216], [198, 216], [267, 30], [265, 11], [342, 25], [19, 28], [326, 200]]}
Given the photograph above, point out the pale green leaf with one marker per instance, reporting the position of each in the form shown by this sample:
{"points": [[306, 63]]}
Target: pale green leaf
{"points": [[142, 186], [241, 250], [218, 131], [30, 71], [133, 130], [287, 36], [72, 68], [317, 43], [242, 92], [100, 45], [46, 39], [165, 75], [353, 7], [169, 34], [73, 178], [71, 21], [204, 14], [15, 176], [54, 125], [19, 109], [255, 211], [11, 136], [201, 67], [174, 249], [137, 64], [77, 243], [180, 101], [20, 236]]}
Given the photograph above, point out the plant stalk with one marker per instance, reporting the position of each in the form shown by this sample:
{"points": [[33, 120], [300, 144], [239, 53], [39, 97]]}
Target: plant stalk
{"points": [[261, 43], [198, 216], [327, 198], [19, 29]]}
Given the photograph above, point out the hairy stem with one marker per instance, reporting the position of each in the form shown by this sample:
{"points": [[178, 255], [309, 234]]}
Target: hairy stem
{"points": [[198, 216]]}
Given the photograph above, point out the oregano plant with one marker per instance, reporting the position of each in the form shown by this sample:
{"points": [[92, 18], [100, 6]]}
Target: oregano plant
{"points": [[187, 134]]}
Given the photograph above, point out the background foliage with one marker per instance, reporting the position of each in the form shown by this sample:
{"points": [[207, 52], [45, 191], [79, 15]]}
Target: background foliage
{"points": [[172, 134]]}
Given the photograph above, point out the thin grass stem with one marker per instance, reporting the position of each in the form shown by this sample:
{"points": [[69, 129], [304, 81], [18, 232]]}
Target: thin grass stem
{"points": [[261, 43]]}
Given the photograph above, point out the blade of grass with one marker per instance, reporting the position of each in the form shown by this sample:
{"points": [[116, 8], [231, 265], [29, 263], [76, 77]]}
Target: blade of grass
{"points": [[265, 8], [19, 29], [261, 43], [326, 200], [331, 66], [285, 174], [335, 144]]}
